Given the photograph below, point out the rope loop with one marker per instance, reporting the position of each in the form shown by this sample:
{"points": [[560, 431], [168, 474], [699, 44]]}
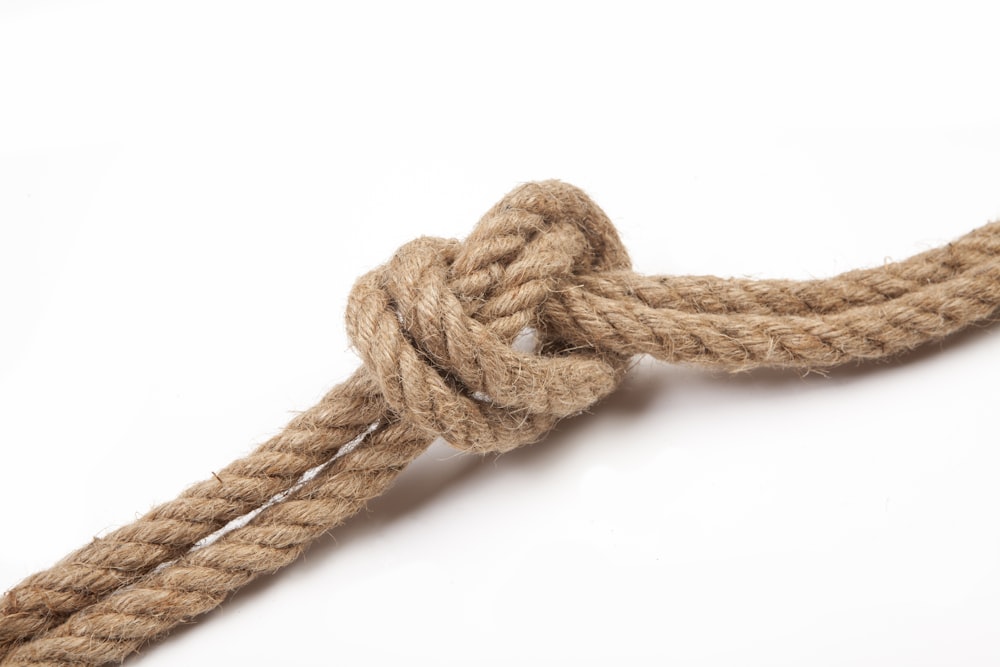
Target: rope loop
{"points": [[435, 325]]}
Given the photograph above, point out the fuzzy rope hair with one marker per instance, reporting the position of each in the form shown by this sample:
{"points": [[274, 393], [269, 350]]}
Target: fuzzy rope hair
{"points": [[435, 328]]}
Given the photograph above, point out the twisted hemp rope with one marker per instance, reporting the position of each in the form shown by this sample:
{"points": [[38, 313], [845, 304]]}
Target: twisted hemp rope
{"points": [[435, 328]]}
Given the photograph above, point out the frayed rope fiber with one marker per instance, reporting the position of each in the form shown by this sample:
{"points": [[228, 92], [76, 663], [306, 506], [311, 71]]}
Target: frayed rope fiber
{"points": [[435, 328]]}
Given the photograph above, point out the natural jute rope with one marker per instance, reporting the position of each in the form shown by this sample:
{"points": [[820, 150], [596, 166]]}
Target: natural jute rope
{"points": [[435, 328]]}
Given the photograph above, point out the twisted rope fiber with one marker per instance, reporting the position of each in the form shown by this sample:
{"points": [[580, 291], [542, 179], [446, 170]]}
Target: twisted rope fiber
{"points": [[434, 328]]}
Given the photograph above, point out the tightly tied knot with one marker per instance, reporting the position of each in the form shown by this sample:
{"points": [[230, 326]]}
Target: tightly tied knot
{"points": [[435, 326]]}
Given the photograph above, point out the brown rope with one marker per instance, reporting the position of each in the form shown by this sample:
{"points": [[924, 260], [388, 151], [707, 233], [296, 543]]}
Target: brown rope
{"points": [[435, 328]]}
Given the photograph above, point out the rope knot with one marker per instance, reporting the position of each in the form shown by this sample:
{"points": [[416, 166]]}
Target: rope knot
{"points": [[435, 326]]}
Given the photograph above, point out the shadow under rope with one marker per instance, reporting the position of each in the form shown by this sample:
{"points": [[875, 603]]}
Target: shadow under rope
{"points": [[441, 471]]}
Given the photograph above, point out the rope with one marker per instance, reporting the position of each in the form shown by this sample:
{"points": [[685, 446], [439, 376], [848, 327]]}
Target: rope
{"points": [[435, 328]]}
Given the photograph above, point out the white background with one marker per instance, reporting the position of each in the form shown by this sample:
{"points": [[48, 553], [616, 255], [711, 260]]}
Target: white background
{"points": [[189, 189]]}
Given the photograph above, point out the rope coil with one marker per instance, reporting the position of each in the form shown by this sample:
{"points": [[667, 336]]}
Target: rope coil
{"points": [[435, 328]]}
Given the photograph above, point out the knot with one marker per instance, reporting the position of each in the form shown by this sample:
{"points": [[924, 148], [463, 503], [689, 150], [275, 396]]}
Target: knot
{"points": [[435, 326]]}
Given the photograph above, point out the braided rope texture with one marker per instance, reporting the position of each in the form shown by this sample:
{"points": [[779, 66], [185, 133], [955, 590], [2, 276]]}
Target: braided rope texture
{"points": [[435, 328]]}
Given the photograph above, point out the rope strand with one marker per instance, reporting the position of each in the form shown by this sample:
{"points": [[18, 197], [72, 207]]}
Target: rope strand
{"points": [[434, 328], [121, 623], [166, 532]]}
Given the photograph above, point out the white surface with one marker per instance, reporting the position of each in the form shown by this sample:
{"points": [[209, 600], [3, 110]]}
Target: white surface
{"points": [[188, 190]]}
